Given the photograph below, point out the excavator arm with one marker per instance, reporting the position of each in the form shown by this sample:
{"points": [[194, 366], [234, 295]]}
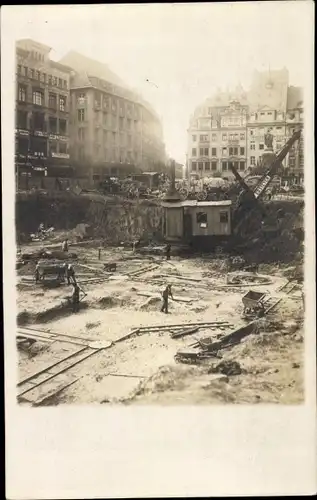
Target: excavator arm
{"points": [[250, 198]]}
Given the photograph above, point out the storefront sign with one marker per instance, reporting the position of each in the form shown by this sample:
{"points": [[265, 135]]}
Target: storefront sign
{"points": [[58, 137], [39, 133], [21, 131], [60, 155]]}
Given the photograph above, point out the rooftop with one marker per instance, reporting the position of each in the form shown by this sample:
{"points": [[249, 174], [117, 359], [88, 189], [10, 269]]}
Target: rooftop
{"points": [[92, 67]]}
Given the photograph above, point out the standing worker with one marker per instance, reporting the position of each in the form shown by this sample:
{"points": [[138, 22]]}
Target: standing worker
{"points": [[168, 251], [65, 246], [70, 274], [37, 274], [166, 293], [75, 297]]}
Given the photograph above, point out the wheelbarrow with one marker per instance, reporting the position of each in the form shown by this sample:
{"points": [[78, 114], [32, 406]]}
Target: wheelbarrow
{"points": [[253, 303]]}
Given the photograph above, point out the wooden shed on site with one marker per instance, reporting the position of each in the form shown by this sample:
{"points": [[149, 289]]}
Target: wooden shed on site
{"points": [[202, 223]]}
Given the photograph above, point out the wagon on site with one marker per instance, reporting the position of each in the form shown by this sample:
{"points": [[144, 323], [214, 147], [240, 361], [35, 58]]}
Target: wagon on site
{"points": [[55, 271], [253, 303]]}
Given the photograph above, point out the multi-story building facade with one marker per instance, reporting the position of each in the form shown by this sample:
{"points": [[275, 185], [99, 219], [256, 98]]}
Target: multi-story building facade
{"points": [[113, 131], [231, 128], [42, 111], [294, 121], [217, 136]]}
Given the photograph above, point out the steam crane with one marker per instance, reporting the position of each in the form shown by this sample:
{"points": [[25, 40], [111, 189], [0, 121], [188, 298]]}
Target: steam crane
{"points": [[249, 200]]}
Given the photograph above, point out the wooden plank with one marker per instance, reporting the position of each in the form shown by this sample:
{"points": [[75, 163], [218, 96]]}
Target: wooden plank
{"points": [[182, 333], [175, 298], [181, 277]]}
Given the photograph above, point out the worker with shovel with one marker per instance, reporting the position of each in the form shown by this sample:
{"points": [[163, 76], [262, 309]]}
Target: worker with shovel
{"points": [[167, 292], [75, 297]]}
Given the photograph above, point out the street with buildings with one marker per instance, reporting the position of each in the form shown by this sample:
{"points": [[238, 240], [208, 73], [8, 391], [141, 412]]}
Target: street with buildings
{"points": [[132, 266]]}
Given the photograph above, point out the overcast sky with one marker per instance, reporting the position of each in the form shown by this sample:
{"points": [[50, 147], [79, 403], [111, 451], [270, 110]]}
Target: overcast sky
{"points": [[177, 55]]}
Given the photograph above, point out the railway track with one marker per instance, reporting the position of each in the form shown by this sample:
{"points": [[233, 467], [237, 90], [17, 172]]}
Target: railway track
{"points": [[50, 381], [288, 287]]}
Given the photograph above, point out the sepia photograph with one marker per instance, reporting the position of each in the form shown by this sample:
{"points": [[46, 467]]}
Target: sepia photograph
{"points": [[159, 214], [159, 249]]}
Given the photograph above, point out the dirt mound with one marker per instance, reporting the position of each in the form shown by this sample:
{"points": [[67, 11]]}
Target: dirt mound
{"points": [[167, 378], [64, 309], [285, 244], [107, 302], [151, 304]]}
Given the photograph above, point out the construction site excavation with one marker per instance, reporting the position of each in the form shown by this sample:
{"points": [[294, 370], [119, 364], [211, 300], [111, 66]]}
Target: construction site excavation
{"points": [[162, 299]]}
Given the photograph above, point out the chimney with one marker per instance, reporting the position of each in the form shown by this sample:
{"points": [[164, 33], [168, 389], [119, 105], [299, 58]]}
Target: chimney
{"points": [[172, 194]]}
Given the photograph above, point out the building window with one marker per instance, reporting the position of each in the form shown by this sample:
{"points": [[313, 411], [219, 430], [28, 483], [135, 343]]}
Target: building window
{"points": [[224, 137], [224, 151], [201, 218], [63, 147], [53, 147], [105, 119], [22, 146], [203, 138], [22, 119], [43, 77], [114, 137], [206, 151], [201, 151], [252, 160], [261, 146], [60, 83], [194, 152], [242, 165], [38, 120], [213, 166], [62, 127], [49, 79], [200, 165], [31, 73], [233, 151], [194, 137], [81, 115], [24, 71], [53, 125], [207, 165], [242, 136], [194, 166], [22, 93], [19, 69], [214, 137], [251, 132], [54, 81], [36, 75], [81, 134], [252, 146], [52, 101], [114, 105], [38, 98], [223, 217], [213, 151], [62, 103], [224, 166], [242, 153]]}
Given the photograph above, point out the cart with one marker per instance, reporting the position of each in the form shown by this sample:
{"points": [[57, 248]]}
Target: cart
{"points": [[253, 303]]}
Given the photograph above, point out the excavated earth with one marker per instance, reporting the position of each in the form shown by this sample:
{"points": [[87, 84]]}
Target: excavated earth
{"points": [[142, 369]]}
